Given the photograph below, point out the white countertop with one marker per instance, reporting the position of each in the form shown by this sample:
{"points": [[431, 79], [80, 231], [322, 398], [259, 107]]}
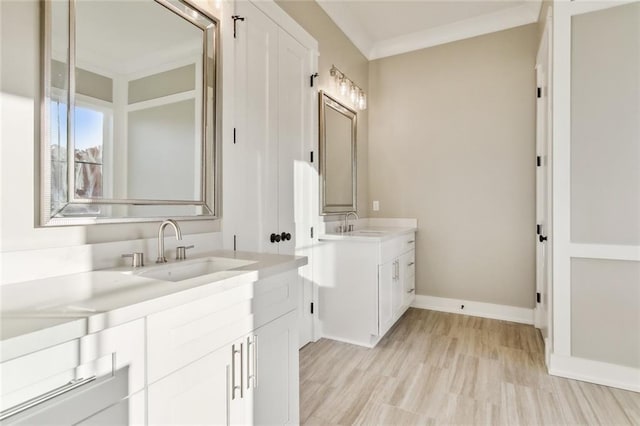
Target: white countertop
{"points": [[370, 234], [41, 313]]}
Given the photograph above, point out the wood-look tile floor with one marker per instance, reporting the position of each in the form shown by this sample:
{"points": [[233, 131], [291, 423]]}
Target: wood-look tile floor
{"points": [[440, 368]]}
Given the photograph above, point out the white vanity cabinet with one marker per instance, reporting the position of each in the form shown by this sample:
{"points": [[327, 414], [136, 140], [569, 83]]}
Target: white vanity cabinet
{"points": [[365, 283], [227, 360]]}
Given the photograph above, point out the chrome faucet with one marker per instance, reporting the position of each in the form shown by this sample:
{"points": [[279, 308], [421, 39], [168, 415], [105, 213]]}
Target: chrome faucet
{"points": [[176, 228], [347, 227]]}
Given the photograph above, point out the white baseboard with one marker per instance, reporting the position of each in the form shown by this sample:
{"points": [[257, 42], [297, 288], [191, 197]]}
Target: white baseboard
{"points": [[349, 341], [602, 373], [476, 309]]}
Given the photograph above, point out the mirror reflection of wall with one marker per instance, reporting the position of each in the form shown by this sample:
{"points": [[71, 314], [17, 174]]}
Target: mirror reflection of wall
{"points": [[337, 156]]}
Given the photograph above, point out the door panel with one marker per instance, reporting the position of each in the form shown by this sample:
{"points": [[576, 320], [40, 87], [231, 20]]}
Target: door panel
{"points": [[195, 394], [275, 397], [293, 67], [257, 131]]}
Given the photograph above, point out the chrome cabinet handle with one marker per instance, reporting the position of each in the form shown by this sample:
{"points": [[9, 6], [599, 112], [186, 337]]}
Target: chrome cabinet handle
{"points": [[235, 387], [411, 291], [255, 357], [252, 361], [410, 263], [73, 384], [255, 361]]}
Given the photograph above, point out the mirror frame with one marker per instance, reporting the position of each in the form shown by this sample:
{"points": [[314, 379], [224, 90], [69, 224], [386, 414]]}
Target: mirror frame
{"points": [[210, 196], [327, 101]]}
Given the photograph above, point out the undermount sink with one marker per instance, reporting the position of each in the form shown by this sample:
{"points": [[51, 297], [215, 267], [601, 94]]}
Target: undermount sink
{"points": [[186, 269]]}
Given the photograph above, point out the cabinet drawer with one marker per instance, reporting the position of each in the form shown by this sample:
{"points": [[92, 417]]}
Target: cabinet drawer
{"points": [[113, 352], [395, 247], [275, 296], [183, 334], [410, 263]]}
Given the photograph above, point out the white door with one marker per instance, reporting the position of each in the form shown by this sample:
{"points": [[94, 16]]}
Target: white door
{"points": [[256, 123], [596, 189], [294, 170], [272, 210], [543, 190]]}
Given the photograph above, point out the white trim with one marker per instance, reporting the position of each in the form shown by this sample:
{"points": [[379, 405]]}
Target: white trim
{"points": [[286, 22], [164, 100], [349, 341], [602, 373], [483, 24], [605, 251], [341, 15], [503, 19], [561, 166], [578, 7], [475, 309]]}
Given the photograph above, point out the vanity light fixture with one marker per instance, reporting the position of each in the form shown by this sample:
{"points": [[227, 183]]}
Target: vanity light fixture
{"points": [[347, 87]]}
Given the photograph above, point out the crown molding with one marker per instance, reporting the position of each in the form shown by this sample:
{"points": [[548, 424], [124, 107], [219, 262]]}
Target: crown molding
{"points": [[349, 25], [483, 24]]}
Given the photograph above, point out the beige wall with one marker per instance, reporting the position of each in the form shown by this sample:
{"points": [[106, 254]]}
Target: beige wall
{"points": [[336, 49], [452, 143], [19, 88]]}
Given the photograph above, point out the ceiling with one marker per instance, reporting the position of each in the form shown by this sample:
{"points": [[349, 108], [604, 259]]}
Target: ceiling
{"points": [[381, 28]]}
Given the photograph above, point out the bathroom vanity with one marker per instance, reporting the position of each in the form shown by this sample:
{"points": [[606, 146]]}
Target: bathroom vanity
{"points": [[366, 279], [213, 343]]}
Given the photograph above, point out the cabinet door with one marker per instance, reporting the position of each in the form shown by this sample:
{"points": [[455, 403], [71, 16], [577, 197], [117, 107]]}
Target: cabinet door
{"points": [[196, 394], [276, 376], [397, 291], [386, 281]]}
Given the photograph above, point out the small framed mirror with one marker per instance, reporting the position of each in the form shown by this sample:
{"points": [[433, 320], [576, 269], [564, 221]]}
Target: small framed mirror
{"points": [[337, 156], [128, 112]]}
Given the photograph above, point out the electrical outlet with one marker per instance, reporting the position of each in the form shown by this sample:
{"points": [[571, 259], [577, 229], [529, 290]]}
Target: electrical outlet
{"points": [[376, 205]]}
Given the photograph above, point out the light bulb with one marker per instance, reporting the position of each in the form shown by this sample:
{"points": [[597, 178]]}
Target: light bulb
{"points": [[353, 94], [344, 86], [362, 100]]}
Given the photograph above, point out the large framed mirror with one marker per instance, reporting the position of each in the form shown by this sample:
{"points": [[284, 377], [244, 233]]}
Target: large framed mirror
{"points": [[128, 112], [338, 173]]}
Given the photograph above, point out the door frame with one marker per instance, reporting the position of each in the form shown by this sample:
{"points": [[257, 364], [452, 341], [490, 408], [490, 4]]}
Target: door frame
{"points": [[543, 312]]}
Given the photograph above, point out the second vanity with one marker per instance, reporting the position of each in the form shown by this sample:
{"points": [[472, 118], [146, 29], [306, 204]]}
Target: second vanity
{"points": [[368, 281], [122, 346]]}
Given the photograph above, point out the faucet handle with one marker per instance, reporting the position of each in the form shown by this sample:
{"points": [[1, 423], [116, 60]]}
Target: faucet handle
{"points": [[181, 252], [137, 259]]}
